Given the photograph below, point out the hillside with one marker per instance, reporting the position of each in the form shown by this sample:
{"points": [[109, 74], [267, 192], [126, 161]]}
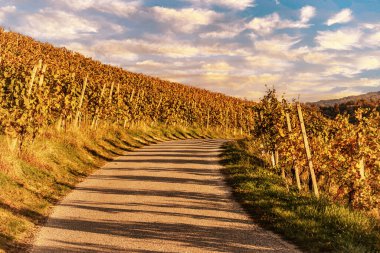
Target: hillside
{"points": [[348, 105], [371, 97], [43, 85]]}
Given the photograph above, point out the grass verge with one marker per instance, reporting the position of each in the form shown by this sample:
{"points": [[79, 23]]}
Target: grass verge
{"points": [[31, 183], [314, 225]]}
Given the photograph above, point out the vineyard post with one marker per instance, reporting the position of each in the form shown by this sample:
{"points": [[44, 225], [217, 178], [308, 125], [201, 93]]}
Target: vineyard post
{"points": [[39, 65], [226, 120], [33, 76], [273, 160], [296, 171], [235, 127], [361, 161], [42, 76], [208, 118], [76, 120], [94, 120], [118, 102], [241, 122], [132, 94], [307, 150], [110, 96]]}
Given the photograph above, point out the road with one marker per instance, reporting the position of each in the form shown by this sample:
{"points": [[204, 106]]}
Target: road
{"points": [[167, 197]]}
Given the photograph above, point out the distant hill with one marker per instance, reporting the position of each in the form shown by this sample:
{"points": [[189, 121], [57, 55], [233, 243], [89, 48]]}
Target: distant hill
{"points": [[373, 97], [331, 108]]}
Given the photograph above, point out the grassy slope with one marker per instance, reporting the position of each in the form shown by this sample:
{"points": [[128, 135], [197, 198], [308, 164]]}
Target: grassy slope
{"points": [[315, 226], [31, 183]]}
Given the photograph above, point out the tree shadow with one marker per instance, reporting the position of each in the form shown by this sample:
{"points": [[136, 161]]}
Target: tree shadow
{"points": [[207, 238], [157, 179], [97, 154], [169, 161], [189, 171], [161, 193]]}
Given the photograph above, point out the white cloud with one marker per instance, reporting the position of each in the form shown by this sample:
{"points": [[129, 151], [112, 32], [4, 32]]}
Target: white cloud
{"points": [[221, 66], [119, 51], [317, 57], [53, 24], [116, 7], [266, 63], [280, 46], [341, 70], [307, 13], [339, 40], [150, 64], [264, 25], [169, 49], [373, 39], [265, 79], [344, 16], [368, 63], [269, 23], [6, 10], [350, 65], [184, 20], [224, 31], [231, 4], [219, 34]]}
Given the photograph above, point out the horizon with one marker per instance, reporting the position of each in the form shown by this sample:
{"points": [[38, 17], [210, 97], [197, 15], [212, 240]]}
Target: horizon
{"points": [[314, 51]]}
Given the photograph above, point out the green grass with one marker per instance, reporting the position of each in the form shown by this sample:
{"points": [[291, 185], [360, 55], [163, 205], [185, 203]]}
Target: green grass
{"points": [[314, 225], [31, 183]]}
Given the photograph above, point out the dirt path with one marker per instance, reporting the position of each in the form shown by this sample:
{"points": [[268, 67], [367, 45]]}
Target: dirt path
{"points": [[168, 197]]}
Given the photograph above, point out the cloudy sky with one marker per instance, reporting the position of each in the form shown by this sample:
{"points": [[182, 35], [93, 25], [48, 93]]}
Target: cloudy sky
{"points": [[314, 50]]}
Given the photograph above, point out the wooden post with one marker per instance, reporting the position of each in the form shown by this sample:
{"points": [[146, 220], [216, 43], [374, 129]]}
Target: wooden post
{"points": [[33, 76], [93, 123], [361, 161], [76, 120], [273, 160], [110, 96], [42, 76], [132, 94], [296, 170], [226, 120], [208, 118], [288, 122], [308, 153], [39, 65]]}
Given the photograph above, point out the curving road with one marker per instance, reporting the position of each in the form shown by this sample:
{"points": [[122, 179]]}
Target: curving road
{"points": [[167, 197]]}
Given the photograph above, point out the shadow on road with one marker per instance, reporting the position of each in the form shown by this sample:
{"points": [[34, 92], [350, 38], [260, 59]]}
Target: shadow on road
{"points": [[197, 218]]}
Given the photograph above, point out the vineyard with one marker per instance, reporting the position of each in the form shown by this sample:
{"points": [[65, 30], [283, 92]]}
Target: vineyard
{"points": [[43, 86], [333, 158], [53, 92]]}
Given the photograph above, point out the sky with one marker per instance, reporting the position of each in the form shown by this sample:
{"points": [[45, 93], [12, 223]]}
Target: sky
{"points": [[307, 50]]}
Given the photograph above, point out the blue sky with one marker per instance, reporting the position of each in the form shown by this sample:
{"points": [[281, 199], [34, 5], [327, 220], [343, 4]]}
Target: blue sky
{"points": [[305, 49]]}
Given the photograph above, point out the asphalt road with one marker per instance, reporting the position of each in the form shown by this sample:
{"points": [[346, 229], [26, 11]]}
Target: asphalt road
{"points": [[167, 197]]}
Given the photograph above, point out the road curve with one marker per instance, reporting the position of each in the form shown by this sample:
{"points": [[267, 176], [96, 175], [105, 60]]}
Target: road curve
{"points": [[167, 197]]}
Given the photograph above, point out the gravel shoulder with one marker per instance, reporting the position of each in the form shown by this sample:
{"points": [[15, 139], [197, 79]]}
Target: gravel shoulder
{"points": [[167, 197]]}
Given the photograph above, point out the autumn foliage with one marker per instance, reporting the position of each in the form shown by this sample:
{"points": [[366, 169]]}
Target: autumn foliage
{"points": [[345, 155], [43, 86]]}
